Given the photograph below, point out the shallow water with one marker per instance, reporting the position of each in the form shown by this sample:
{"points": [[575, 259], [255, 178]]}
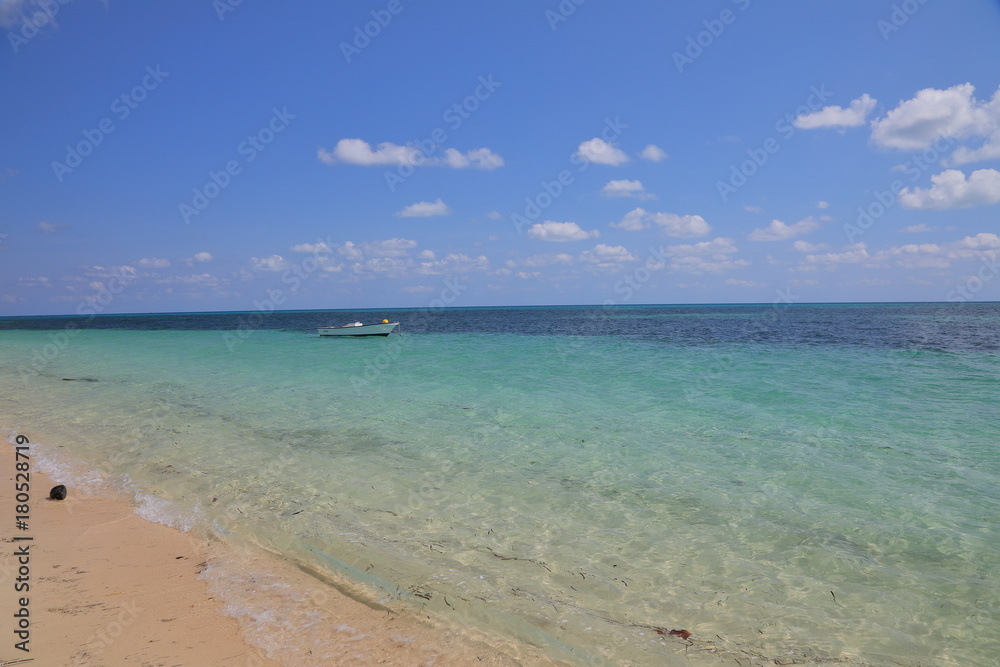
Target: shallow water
{"points": [[801, 483]]}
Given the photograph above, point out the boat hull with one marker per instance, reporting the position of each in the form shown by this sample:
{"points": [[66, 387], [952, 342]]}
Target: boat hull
{"points": [[358, 331]]}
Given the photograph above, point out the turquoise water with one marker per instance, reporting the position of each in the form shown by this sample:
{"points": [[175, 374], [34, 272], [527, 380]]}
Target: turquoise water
{"points": [[810, 484]]}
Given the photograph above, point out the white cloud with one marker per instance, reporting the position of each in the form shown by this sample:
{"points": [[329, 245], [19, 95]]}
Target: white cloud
{"points": [[50, 227], [374, 251], [494, 215], [358, 151], [599, 151], [625, 188], [203, 257], [37, 12], [679, 226], [835, 116], [606, 254], [705, 257], [752, 209], [200, 279], [805, 246], [823, 204], [390, 267], [394, 247], [635, 220], [153, 263], [744, 283], [425, 209], [981, 241], [453, 263], [953, 113], [915, 256], [272, 263], [479, 158], [560, 232], [350, 251], [653, 153], [779, 231], [950, 189], [313, 248], [547, 259], [919, 229], [853, 254]]}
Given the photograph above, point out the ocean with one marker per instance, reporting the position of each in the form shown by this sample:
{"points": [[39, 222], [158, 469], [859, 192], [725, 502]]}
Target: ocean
{"points": [[793, 484]]}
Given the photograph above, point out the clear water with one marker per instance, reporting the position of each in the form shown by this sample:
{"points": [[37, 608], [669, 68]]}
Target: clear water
{"points": [[804, 484]]}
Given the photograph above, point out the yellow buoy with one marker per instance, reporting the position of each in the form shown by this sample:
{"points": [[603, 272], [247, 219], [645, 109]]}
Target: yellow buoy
{"points": [[385, 321]]}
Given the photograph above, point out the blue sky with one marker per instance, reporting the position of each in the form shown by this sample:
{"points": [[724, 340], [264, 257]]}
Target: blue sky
{"points": [[191, 156]]}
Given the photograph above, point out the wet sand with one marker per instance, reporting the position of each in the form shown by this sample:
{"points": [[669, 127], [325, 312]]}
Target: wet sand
{"points": [[104, 586]]}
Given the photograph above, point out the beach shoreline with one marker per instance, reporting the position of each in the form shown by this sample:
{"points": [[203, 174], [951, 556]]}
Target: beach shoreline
{"points": [[104, 586]]}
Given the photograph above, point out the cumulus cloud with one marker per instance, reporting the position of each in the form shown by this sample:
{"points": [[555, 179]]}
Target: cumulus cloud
{"points": [[982, 246], [153, 263], [915, 256], [853, 254], [51, 227], [359, 152], [560, 232], [606, 254], [705, 257], [452, 263], [805, 246], [950, 189], [599, 151], [653, 153], [779, 231], [425, 209], [625, 188], [679, 226], [313, 248], [203, 257], [835, 116], [272, 263], [394, 247], [547, 259], [981, 241], [953, 113]]}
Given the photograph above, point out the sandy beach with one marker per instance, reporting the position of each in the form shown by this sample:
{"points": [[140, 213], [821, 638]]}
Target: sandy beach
{"points": [[100, 586]]}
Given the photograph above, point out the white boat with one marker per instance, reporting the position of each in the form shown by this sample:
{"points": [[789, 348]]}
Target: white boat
{"points": [[359, 329]]}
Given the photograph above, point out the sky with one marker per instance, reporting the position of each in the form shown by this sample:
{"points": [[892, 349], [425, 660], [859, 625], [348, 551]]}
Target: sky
{"points": [[239, 155]]}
